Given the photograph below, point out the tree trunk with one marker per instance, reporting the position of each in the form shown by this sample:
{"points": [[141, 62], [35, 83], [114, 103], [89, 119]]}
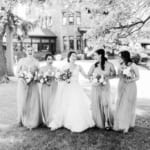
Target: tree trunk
{"points": [[9, 52], [3, 69]]}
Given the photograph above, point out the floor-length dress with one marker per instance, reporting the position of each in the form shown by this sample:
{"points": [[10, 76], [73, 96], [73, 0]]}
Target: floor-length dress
{"points": [[47, 97], [28, 97], [126, 103], [72, 107], [101, 100]]}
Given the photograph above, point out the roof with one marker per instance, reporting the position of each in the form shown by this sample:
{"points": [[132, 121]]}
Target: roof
{"points": [[39, 32]]}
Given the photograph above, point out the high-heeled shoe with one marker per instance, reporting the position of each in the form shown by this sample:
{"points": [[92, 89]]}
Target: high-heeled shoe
{"points": [[125, 131], [106, 126]]}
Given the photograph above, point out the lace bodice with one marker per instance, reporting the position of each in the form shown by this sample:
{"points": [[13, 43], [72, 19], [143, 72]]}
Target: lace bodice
{"points": [[75, 74]]}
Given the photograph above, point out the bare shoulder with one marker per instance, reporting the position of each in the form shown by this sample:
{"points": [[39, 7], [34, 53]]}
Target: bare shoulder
{"points": [[36, 60], [21, 61], [134, 66], [42, 68], [109, 64]]}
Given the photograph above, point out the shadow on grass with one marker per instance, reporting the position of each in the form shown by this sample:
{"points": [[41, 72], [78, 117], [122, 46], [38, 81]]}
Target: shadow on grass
{"points": [[62, 139], [143, 108]]}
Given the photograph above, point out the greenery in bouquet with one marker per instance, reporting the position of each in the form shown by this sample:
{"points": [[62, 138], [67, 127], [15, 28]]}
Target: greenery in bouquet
{"points": [[64, 75], [46, 78], [98, 79]]}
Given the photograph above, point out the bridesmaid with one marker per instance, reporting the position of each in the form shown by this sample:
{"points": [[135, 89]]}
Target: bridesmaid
{"points": [[127, 95], [101, 93], [28, 98], [47, 91]]}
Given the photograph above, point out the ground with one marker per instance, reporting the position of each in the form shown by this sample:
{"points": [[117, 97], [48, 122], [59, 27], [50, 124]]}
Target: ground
{"points": [[13, 137]]}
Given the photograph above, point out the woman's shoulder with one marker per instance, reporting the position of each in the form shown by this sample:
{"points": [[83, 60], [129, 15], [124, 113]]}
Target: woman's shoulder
{"points": [[35, 60], [43, 68], [22, 61], [108, 63], [134, 66]]}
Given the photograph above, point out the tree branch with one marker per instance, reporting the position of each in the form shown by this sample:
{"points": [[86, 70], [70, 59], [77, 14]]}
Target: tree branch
{"points": [[131, 25]]}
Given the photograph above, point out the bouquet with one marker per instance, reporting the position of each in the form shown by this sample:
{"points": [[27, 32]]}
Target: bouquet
{"points": [[47, 77], [64, 75], [100, 79], [128, 73], [28, 76]]}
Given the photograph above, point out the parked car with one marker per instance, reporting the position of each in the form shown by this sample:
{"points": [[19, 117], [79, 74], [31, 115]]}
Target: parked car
{"points": [[140, 57]]}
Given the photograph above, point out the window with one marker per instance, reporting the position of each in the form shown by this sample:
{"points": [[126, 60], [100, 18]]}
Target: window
{"points": [[65, 43], [78, 18], [45, 22], [71, 19], [49, 21], [78, 43], [64, 18], [71, 42]]}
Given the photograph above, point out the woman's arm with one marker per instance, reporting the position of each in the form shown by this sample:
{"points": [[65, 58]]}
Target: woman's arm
{"points": [[112, 71], [91, 70], [82, 72]]}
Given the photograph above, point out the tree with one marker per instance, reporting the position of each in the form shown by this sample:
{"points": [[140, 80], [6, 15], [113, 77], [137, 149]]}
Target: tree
{"points": [[9, 23], [114, 20]]}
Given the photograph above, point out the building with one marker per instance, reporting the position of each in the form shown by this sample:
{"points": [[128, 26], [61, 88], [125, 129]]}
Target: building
{"points": [[42, 40], [69, 26]]}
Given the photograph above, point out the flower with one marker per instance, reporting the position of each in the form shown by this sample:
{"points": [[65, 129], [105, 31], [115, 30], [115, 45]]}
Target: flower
{"points": [[98, 79], [127, 72], [27, 76], [42, 80], [46, 77], [64, 75]]}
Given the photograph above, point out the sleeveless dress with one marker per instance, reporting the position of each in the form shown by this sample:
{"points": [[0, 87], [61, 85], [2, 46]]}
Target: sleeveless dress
{"points": [[72, 107], [47, 97], [126, 104], [101, 101], [28, 97]]}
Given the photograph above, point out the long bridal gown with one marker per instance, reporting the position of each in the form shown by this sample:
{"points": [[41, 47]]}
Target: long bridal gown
{"points": [[72, 107]]}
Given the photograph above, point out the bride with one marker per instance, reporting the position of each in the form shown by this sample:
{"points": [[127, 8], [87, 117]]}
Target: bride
{"points": [[72, 107]]}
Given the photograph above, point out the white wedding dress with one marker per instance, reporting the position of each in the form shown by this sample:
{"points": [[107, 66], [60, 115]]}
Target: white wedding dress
{"points": [[72, 107]]}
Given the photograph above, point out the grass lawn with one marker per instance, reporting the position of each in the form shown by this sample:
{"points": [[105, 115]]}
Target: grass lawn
{"points": [[15, 138]]}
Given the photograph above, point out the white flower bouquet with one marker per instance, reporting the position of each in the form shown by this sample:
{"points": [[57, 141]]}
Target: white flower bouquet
{"points": [[128, 73], [27, 76]]}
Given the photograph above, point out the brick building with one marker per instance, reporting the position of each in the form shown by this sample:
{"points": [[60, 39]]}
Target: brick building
{"points": [[69, 26]]}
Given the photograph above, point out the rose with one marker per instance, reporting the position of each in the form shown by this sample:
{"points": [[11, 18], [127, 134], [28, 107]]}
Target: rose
{"points": [[57, 74], [42, 80]]}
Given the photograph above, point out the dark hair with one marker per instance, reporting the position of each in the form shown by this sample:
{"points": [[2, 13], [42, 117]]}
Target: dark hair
{"points": [[47, 55], [69, 55], [125, 55], [29, 46], [103, 58]]}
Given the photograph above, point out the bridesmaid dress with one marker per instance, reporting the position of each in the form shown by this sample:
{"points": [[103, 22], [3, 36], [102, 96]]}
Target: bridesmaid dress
{"points": [[126, 103], [28, 97], [47, 96], [101, 98]]}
